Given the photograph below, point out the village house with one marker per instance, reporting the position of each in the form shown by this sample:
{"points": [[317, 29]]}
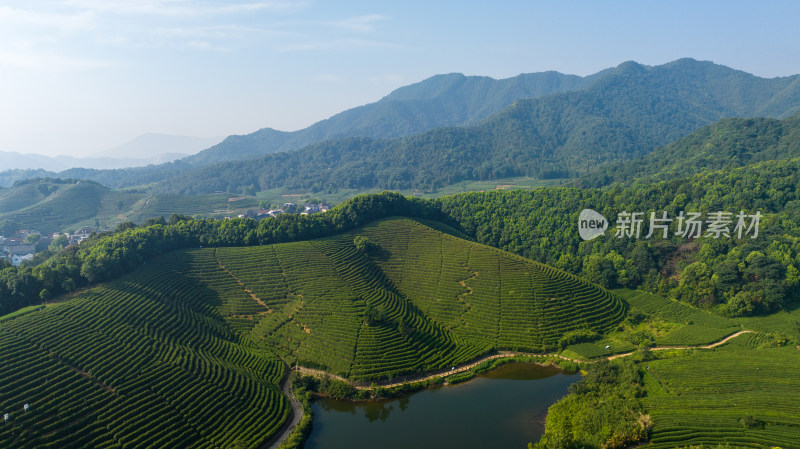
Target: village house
{"points": [[17, 247], [17, 259], [313, 208], [81, 235]]}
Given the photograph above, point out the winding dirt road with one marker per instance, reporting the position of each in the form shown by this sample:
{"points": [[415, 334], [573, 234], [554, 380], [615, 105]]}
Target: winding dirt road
{"points": [[502, 354], [662, 348], [297, 415]]}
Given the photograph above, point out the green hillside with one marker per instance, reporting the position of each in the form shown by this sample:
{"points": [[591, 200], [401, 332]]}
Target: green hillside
{"points": [[742, 394], [441, 100], [407, 305], [729, 143], [185, 349], [145, 361], [54, 205], [739, 393]]}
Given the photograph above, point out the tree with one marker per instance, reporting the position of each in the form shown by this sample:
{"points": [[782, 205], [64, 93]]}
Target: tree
{"points": [[363, 244], [32, 239], [58, 243], [696, 286], [124, 226], [600, 270], [155, 221]]}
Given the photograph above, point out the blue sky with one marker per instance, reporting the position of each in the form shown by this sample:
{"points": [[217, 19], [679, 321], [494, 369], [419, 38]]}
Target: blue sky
{"points": [[80, 76]]}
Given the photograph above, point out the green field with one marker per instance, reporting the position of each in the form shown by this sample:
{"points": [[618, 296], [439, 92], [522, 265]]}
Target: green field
{"points": [[143, 361], [49, 206], [438, 300], [741, 394], [733, 395], [692, 326], [281, 195], [187, 350]]}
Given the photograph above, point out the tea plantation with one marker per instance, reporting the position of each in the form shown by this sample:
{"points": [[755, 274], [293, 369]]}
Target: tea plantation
{"points": [[733, 395], [189, 350]]}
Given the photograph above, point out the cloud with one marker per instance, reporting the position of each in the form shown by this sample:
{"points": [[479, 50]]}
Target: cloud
{"points": [[50, 61], [62, 21], [182, 8], [336, 44], [363, 23]]}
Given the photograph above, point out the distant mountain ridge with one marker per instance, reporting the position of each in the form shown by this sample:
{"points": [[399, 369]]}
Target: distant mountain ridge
{"points": [[627, 112], [617, 114], [143, 150], [441, 100], [11, 160], [155, 145]]}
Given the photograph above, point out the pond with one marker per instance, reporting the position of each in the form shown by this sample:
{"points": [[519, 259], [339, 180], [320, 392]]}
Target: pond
{"points": [[504, 408]]}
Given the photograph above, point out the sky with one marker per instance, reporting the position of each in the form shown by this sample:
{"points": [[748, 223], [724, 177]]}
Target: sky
{"points": [[81, 76]]}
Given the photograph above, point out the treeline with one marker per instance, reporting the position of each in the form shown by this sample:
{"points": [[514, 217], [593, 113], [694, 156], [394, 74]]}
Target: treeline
{"points": [[734, 276], [107, 256], [601, 410]]}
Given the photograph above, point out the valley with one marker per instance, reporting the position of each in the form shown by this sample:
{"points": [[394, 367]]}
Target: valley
{"points": [[408, 272]]}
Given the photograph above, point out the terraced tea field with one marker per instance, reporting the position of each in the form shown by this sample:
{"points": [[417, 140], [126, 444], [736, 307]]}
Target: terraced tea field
{"points": [[186, 351], [436, 301], [485, 295], [142, 362], [732, 395], [697, 327]]}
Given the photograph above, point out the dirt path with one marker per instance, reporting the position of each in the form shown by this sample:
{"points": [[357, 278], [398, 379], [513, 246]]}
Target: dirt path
{"points": [[241, 284], [428, 376], [502, 354], [662, 348], [297, 415]]}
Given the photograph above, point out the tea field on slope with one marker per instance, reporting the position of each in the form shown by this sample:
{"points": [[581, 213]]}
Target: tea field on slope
{"points": [[186, 351]]}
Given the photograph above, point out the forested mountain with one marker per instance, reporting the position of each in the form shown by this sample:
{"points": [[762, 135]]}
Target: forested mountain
{"points": [[442, 100], [622, 113], [728, 143], [628, 112]]}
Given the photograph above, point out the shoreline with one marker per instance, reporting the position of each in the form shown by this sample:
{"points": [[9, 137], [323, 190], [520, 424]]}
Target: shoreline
{"points": [[437, 378]]}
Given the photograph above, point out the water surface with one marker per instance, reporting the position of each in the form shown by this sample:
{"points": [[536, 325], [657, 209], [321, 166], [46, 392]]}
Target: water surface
{"points": [[504, 408]]}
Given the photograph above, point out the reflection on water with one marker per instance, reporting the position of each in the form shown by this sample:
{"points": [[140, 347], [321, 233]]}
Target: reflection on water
{"points": [[503, 408]]}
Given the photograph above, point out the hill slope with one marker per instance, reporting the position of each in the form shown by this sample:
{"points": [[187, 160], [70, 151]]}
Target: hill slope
{"points": [[726, 144], [414, 304], [55, 205], [144, 361], [115, 362]]}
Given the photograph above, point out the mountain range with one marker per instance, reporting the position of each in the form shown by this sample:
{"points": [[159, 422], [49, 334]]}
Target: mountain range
{"points": [[545, 125], [146, 149]]}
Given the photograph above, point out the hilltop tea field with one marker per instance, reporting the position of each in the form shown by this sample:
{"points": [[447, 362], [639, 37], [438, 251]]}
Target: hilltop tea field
{"points": [[191, 348]]}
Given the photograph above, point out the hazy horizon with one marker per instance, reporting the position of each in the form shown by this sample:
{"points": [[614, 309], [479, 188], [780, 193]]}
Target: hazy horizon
{"points": [[82, 76]]}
